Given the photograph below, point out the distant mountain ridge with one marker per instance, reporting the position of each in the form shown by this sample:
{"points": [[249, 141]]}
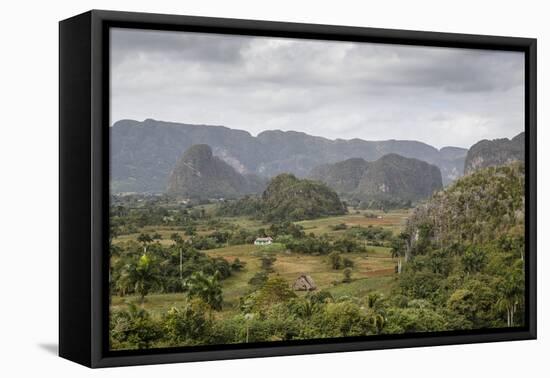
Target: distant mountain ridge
{"points": [[496, 152], [144, 153], [391, 180]]}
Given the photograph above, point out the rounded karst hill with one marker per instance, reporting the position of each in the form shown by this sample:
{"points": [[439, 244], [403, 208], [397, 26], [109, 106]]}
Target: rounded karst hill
{"points": [[200, 174], [342, 176], [390, 181], [290, 198], [395, 176]]}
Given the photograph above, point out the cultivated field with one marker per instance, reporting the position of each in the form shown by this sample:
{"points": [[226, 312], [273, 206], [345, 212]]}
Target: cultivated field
{"points": [[372, 270]]}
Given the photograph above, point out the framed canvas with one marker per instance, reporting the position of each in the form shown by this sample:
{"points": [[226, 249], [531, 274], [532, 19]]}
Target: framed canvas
{"points": [[235, 188]]}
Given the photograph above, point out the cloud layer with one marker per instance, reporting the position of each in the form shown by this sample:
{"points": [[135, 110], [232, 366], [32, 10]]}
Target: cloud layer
{"points": [[440, 96]]}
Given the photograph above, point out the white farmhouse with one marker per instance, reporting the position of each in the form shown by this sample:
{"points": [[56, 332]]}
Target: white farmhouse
{"points": [[263, 241]]}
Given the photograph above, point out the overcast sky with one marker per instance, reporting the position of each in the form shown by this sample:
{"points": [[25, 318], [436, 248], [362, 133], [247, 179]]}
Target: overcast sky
{"points": [[440, 96]]}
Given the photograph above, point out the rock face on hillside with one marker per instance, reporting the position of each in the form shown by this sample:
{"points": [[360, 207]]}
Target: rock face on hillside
{"points": [[451, 163], [491, 153], [343, 176], [200, 174], [390, 179], [144, 153], [395, 176]]}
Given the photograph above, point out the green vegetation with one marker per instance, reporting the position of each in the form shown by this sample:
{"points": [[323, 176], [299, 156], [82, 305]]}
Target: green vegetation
{"points": [[190, 274], [465, 249], [347, 275], [206, 288], [288, 198]]}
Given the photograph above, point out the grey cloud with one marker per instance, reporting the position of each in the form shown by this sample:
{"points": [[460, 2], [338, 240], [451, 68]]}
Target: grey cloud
{"points": [[334, 89], [167, 45]]}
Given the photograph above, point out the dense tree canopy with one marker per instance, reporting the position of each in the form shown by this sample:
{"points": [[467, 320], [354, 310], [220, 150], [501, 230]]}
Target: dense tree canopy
{"points": [[288, 198]]}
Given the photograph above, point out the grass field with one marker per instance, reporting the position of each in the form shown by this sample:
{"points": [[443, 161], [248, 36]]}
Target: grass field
{"points": [[392, 220], [372, 271]]}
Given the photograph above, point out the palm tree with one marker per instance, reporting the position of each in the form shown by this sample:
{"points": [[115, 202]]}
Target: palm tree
{"points": [[143, 275], [123, 283], [144, 239], [176, 238], [473, 260], [205, 287], [377, 311], [178, 242], [511, 295], [306, 309], [398, 249]]}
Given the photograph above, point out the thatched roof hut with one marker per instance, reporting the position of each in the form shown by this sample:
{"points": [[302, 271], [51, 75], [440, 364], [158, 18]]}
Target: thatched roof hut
{"points": [[304, 283]]}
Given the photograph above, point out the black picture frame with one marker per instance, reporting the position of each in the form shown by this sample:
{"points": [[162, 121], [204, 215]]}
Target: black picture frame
{"points": [[84, 191]]}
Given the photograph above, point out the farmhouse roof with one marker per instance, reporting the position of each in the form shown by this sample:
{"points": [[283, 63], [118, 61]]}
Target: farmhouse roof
{"points": [[264, 239], [304, 282]]}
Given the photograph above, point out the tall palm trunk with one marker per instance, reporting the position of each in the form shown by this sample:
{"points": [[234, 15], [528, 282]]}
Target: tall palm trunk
{"points": [[408, 248]]}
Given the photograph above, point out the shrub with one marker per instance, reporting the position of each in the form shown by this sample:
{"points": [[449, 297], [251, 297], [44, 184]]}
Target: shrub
{"points": [[274, 290], [347, 275], [344, 319], [237, 264], [347, 262], [338, 227], [207, 288], [133, 329], [189, 324], [348, 244], [267, 262], [335, 260], [258, 279]]}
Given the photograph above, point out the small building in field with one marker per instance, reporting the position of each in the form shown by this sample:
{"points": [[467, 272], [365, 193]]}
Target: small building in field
{"points": [[263, 241], [304, 283]]}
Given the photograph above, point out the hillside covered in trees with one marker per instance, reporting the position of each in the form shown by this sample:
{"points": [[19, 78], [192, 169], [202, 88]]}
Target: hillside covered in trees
{"points": [[465, 249], [288, 198]]}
